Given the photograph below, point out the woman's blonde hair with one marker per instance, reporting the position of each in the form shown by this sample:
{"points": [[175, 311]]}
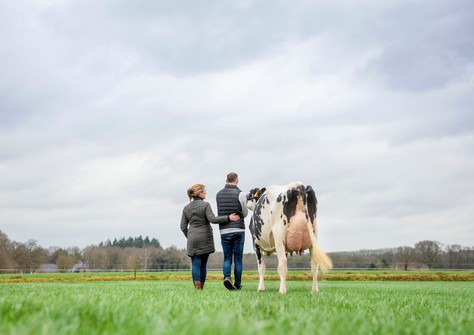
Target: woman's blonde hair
{"points": [[195, 190]]}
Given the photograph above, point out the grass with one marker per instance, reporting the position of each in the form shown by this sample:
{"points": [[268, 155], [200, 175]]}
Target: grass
{"points": [[344, 275], [174, 307]]}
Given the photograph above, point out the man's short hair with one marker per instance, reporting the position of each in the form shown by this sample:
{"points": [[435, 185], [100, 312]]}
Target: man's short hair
{"points": [[232, 177]]}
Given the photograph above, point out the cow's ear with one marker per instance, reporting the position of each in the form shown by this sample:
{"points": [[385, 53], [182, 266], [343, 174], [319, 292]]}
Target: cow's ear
{"points": [[249, 195], [255, 193]]}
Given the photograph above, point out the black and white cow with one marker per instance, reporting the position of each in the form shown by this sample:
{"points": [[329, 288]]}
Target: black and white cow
{"points": [[284, 220]]}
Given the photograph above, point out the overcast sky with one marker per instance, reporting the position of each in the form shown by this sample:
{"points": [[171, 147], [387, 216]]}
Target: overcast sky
{"points": [[111, 109]]}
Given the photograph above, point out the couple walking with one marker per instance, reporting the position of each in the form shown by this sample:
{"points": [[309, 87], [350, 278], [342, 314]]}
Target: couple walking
{"points": [[195, 224]]}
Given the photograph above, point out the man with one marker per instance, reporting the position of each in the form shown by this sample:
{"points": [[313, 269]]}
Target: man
{"points": [[231, 200]]}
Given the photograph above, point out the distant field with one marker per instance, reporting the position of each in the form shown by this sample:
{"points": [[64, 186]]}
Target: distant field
{"points": [[333, 275], [174, 307]]}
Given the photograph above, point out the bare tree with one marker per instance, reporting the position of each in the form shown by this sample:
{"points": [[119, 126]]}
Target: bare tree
{"points": [[96, 257], [171, 258], [65, 261], [405, 256], [428, 251], [131, 261], [144, 257], [29, 256], [6, 251], [454, 253], [466, 254], [115, 258]]}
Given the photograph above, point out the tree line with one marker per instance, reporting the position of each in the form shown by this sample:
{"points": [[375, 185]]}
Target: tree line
{"points": [[124, 254], [424, 254], [147, 254], [132, 242]]}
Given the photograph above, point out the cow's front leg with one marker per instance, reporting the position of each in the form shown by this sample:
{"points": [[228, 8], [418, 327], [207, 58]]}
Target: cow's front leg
{"points": [[282, 261], [314, 271], [261, 269]]}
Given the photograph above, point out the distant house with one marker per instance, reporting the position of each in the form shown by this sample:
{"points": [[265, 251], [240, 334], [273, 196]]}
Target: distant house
{"points": [[47, 268], [80, 267]]}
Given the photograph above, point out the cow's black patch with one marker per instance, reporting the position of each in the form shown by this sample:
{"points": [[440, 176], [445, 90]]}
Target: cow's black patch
{"points": [[312, 202], [256, 221], [279, 198], [289, 207], [302, 191], [256, 247]]}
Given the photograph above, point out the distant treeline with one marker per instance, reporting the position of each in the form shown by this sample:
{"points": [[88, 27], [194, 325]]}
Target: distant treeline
{"points": [[132, 242], [147, 254]]}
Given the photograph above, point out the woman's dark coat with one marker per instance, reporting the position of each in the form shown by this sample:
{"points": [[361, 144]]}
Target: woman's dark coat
{"points": [[195, 224]]}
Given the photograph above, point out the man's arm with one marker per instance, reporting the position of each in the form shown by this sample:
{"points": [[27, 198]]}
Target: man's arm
{"points": [[243, 202]]}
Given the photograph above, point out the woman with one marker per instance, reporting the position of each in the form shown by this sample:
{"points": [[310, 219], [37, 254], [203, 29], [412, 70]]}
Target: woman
{"points": [[195, 224]]}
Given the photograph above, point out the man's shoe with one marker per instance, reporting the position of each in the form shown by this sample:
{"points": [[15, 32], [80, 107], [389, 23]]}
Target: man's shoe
{"points": [[237, 286], [228, 284]]}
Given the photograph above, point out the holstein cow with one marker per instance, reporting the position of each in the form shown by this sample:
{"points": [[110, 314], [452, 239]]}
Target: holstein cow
{"points": [[284, 220]]}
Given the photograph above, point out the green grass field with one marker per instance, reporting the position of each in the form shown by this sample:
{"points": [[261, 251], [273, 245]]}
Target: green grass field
{"points": [[174, 307], [344, 275]]}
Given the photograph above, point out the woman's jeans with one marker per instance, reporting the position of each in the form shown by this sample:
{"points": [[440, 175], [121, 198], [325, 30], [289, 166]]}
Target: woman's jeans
{"points": [[199, 267], [233, 246]]}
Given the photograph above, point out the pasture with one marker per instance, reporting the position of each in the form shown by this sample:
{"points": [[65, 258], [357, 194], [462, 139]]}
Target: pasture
{"points": [[174, 307]]}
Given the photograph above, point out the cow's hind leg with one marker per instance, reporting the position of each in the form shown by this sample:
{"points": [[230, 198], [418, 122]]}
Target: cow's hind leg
{"points": [[282, 262], [314, 271], [261, 268]]}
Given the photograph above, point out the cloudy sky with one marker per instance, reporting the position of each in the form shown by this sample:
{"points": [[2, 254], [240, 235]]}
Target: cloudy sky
{"points": [[111, 109]]}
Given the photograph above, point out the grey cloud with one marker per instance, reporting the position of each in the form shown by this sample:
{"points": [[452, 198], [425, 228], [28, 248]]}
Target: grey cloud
{"points": [[187, 39], [425, 47], [120, 106]]}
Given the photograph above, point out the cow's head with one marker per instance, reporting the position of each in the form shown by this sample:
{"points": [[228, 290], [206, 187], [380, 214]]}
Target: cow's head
{"points": [[253, 196]]}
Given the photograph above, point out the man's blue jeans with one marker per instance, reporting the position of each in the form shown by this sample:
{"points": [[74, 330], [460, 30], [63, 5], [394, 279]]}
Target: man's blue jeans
{"points": [[233, 247], [199, 267]]}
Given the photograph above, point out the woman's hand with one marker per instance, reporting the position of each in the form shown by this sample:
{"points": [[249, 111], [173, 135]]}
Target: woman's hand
{"points": [[234, 217]]}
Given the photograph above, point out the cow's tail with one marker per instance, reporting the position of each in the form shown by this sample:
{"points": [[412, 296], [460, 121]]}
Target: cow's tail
{"points": [[317, 253]]}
